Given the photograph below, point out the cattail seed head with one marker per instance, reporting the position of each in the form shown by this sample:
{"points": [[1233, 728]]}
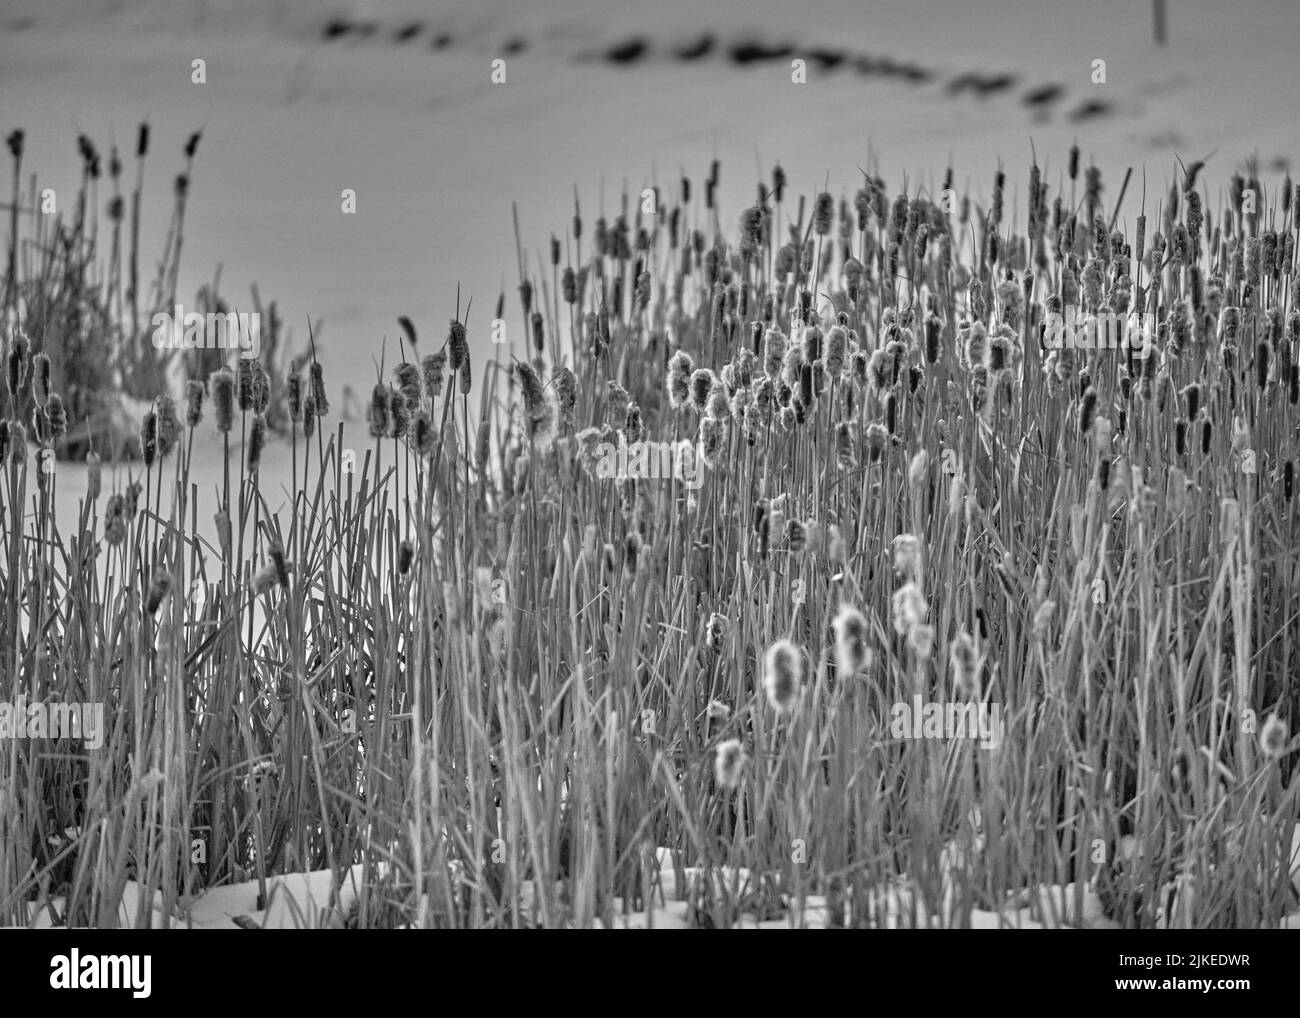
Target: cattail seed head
{"points": [[279, 563], [1087, 411], [963, 665], [41, 378], [245, 382], [853, 652], [194, 393], [16, 364], [1273, 735], [58, 416], [823, 213], [836, 347], [423, 434], [380, 413], [702, 382], [159, 587], [729, 762], [907, 557], [782, 675], [169, 426], [149, 438], [319, 397], [256, 442], [908, 608], [680, 372], [223, 399], [399, 415], [434, 367], [457, 344], [409, 384]]}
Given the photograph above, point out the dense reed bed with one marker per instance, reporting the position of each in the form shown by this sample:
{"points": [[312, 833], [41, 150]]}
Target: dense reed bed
{"points": [[467, 657]]}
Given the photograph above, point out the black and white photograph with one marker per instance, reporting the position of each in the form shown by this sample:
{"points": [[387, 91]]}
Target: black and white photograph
{"points": [[483, 465]]}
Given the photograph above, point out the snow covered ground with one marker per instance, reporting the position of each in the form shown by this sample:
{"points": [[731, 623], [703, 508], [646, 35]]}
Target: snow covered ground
{"points": [[314, 900]]}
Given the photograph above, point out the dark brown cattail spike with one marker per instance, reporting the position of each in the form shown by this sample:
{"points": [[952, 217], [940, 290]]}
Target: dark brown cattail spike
{"points": [[245, 383], [1263, 352], [256, 443], [149, 438], [400, 415], [41, 378], [1180, 436], [158, 588], [1288, 479], [18, 361], [280, 564], [1207, 432], [223, 399], [308, 415], [1087, 410], [380, 411], [320, 400]]}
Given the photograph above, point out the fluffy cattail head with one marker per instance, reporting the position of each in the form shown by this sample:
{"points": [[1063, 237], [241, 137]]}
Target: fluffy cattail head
{"points": [[280, 564], [423, 433], [566, 392], [1273, 736], [194, 393], [908, 608], [380, 413], [728, 763], [963, 664], [907, 557], [399, 414], [534, 396], [57, 415], [823, 213], [853, 652], [434, 366], [159, 587], [169, 426], [680, 370], [702, 382], [409, 384], [782, 675]]}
